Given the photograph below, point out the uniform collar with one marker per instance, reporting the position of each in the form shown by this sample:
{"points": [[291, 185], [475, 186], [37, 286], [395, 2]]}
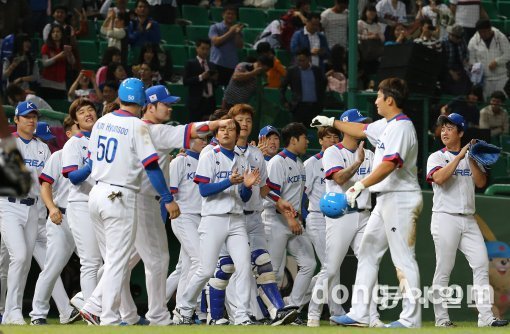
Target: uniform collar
{"points": [[86, 133], [192, 154], [229, 153], [26, 141], [289, 154], [123, 113]]}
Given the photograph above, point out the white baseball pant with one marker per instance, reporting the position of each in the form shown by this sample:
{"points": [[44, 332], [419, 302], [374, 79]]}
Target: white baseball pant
{"points": [[60, 245], [78, 218], [19, 231], [280, 239], [393, 224], [451, 232], [4, 268], [214, 231], [173, 279]]}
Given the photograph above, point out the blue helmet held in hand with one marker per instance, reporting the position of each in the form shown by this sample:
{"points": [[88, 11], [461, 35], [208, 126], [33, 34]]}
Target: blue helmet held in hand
{"points": [[333, 205]]}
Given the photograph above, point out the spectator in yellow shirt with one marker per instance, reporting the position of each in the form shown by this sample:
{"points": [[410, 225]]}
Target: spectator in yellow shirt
{"points": [[275, 73]]}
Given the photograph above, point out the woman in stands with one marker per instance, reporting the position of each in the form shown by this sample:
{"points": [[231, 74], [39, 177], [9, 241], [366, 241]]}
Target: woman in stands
{"points": [[116, 72], [21, 68], [371, 42], [159, 60], [111, 55]]}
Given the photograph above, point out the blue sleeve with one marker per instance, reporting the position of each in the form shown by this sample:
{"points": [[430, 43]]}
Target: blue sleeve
{"points": [[294, 43], [245, 193], [78, 176], [155, 32], [304, 206], [208, 189], [132, 33], [158, 182]]}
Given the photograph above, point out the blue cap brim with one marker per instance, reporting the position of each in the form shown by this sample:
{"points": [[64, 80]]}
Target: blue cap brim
{"points": [[171, 99], [359, 120], [46, 137], [24, 113]]}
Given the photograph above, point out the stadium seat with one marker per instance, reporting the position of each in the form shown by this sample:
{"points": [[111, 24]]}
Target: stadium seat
{"points": [[251, 52], [194, 33], [251, 34], [272, 110], [196, 14], [284, 56], [275, 14], [88, 51], [505, 143], [283, 4], [241, 54], [253, 17], [216, 14], [61, 105], [499, 24], [103, 45], [504, 8], [171, 34], [179, 90], [490, 8], [180, 113], [325, 3], [179, 55]]}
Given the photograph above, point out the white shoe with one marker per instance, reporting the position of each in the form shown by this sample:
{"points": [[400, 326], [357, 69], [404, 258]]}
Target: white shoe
{"points": [[377, 323], [78, 301], [13, 322], [313, 323]]}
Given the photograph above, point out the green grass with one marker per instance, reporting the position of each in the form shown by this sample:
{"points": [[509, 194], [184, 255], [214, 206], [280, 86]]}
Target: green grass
{"points": [[80, 327]]}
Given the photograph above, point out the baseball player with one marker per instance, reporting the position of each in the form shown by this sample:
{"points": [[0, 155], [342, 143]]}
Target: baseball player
{"points": [[76, 169], [315, 221], [20, 215], [287, 178], [454, 175], [58, 244], [269, 137], [344, 164], [267, 289], [399, 203], [225, 180], [120, 147]]}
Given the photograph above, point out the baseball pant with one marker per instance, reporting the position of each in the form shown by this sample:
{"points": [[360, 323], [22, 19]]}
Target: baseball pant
{"points": [[115, 219], [214, 231], [81, 226], [280, 240], [19, 231], [4, 268], [59, 248], [451, 232], [393, 224], [173, 279]]}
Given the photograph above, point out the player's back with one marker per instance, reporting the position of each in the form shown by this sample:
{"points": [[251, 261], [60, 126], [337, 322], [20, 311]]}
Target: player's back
{"points": [[120, 146]]}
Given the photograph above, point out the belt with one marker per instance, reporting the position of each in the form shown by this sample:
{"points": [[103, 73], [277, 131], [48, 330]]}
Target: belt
{"points": [[111, 184], [157, 198], [27, 201], [62, 210], [246, 212]]}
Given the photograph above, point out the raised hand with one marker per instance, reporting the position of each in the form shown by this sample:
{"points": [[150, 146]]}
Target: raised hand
{"points": [[360, 152], [251, 177], [236, 178]]}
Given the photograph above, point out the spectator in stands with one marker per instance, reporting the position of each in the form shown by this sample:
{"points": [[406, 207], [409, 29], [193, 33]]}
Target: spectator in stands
{"points": [[111, 55], [81, 88], [336, 72], [200, 77], [467, 13], [110, 92], [308, 85], [39, 11], [15, 94], [491, 48], [370, 41], [146, 75], [276, 73], [160, 61], [334, 23], [123, 13], [21, 67], [116, 72], [312, 39], [243, 84], [12, 17], [271, 34], [293, 20], [142, 29], [113, 29], [398, 36], [260, 3], [59, 16], [467, 106], [391, 12], [454, 78], [226, 37], [427, 37], [163, 11], [55, 57], [494, 117], [439, 13]]}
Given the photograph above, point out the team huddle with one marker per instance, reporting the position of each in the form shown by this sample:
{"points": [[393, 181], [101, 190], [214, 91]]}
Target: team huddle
{"points": [[237, 209]]}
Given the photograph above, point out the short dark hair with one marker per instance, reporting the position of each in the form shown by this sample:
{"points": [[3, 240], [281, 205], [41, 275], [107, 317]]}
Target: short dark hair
{"points": [[12, 90], [310, 16], [369, 8], [483, 24], [68, 123], [301, 3], [266, 60], [304, 52], [218, 114], [264, 47], [325, 130], [342, 2], [201, 41], [395, 88], [144, 1], [498, 95], [229, 7], [110, 83], [292, 130], [59, 7], [108, 55], [77, 104], [241, 108]]}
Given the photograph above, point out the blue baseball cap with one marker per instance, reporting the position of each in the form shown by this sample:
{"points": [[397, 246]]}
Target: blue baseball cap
{"points": [[43, 131], [267, 130], [160, 93], [497, 249], [353, 116], [453, 118], [25, 108]]}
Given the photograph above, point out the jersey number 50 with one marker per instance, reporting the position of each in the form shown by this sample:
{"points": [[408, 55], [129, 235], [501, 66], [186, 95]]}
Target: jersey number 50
{"points": [[106, 150]]}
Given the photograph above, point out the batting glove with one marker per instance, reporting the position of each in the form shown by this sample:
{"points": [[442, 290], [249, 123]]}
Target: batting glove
{"points": [[353, 192], [320, 121]]}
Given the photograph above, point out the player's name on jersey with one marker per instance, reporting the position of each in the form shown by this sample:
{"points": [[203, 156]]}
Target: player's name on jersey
{"points": [[112, 128]]}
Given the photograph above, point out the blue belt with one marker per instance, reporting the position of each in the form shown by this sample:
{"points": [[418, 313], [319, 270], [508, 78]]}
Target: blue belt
{"points": [[27, 201]]}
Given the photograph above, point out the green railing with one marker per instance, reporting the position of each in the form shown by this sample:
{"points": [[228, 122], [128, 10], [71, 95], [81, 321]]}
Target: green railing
{"points": [[498, 189], [51, 114]]}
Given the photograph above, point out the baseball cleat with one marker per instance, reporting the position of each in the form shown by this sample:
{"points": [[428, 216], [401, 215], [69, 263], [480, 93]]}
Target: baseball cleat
{"points": [[73, 317], [395, 324], [180, 319], [313, 323], [141, 322], [285, 316], [446, 323], [38, 322], [377, 323], [90, 318], [219, 322], [345, 320], [247, 322], [14, 322], [298, 322], [494, 322]]}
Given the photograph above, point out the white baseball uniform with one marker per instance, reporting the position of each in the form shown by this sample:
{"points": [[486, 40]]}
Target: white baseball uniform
{"points": [[393, 221], [74, 157], [346, 231], [287, 178], [60, 246], [453, 227], [19, 227], [120, 147], [222, 222]]}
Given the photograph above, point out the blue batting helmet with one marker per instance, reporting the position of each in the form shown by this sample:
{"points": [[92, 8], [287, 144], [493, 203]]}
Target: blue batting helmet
{"points": [[333, 205], [132, 90]]}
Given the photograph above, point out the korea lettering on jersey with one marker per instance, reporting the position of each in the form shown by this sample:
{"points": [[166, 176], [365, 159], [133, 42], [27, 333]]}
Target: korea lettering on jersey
{"points": [[338, 157], [287, 177], [182, 185], [457, 194], [75, 156], [216, 166], [315, 181], [52, 173], [396, 141], [256, 160], [35, 153], [113, 139]]}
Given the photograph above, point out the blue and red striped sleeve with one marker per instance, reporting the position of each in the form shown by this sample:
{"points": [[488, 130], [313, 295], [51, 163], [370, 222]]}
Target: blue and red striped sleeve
{"points": [[68, 169], [201, 179], [333, 170], [174, 190], [150, 159], [187, 136], [45, 178], [395, 158], [429, 177]]}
